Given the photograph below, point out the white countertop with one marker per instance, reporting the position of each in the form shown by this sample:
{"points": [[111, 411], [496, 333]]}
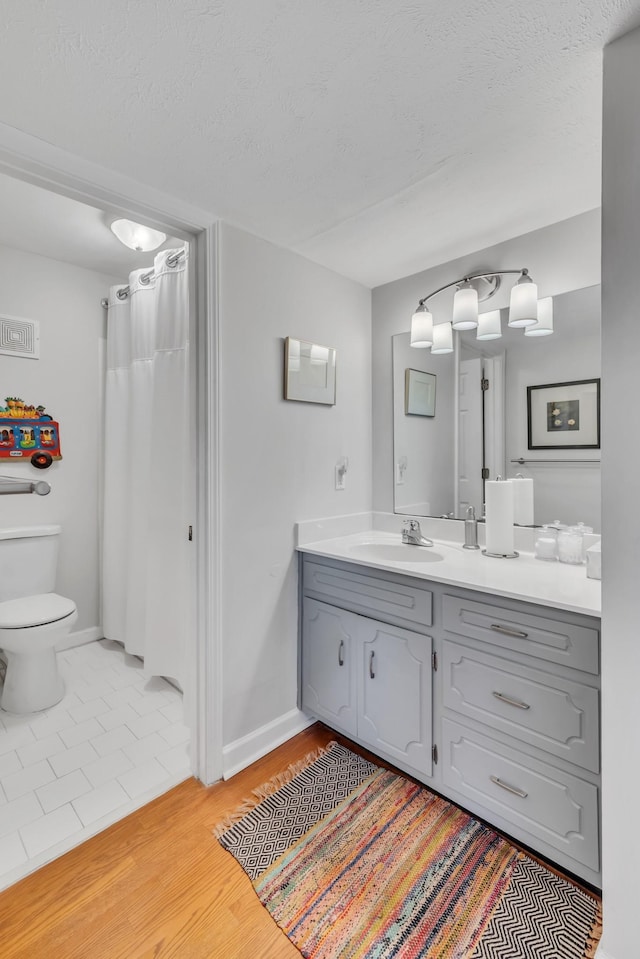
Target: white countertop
{"points": [[525, 578]]}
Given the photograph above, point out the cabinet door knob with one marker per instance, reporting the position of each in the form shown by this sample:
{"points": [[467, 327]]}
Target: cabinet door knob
{"points": [[509, 632], [512, 702], [371, 672], [510, 789], [341, 653]]}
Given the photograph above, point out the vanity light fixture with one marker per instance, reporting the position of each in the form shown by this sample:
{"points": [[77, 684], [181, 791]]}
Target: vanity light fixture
{"points": [[489, 326], [442, 338], [421, 327], [523, 307], [544, 326], [465, 307], [524, 311], [136, 236]]}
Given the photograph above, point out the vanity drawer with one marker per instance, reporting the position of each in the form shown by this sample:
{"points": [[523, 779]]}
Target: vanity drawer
{"points": [[365, 593], [553, 806], [523, 632], [554, 714]]}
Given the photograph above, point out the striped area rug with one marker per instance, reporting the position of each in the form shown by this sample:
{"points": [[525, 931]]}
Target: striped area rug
{"points": [[356, 862]]}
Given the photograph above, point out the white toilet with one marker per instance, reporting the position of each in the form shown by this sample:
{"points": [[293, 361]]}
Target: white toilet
{"points": [[32, 618]]}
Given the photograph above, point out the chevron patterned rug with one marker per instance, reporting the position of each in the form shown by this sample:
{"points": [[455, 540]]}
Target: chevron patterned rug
{"points": [[356, 862]]}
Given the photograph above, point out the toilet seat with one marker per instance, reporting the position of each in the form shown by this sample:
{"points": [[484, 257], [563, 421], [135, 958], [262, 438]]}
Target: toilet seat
{"points": [[38, 610]]}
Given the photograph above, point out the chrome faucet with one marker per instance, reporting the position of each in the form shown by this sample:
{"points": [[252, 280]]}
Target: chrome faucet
{"points": [[412, 534]]}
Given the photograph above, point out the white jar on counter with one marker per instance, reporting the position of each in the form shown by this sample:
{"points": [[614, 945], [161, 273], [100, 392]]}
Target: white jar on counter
{"points": [[570, 544], [546, 543]]}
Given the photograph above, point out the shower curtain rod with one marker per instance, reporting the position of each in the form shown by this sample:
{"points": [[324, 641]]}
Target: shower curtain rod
{"points": [[123, 293]]}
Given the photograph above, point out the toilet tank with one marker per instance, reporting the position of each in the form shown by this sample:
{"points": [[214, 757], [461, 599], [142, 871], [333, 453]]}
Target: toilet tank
{"points": [[28, 560]]}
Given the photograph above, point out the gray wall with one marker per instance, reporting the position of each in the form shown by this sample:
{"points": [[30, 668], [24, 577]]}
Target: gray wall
{"points": [[620, 471], [561, 257], [68, 380], [278, 457]]}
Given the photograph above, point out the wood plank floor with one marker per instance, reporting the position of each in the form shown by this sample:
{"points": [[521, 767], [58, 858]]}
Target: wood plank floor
{"points": [[155, 885]]}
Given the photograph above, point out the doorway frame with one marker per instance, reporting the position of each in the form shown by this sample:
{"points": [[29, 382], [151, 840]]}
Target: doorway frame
{"points": [[26, 158]]}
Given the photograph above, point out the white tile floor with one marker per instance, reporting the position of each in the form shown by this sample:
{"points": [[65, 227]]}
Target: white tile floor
{"points": [[115, 741]]}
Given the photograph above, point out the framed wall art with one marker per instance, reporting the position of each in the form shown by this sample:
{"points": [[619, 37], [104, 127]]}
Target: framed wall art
{"points": [[419, 393], [564, 416], [309, 372]]}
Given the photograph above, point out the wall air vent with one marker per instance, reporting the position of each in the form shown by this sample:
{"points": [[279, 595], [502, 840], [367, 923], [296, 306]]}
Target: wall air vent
{"points": [[19, 337]]}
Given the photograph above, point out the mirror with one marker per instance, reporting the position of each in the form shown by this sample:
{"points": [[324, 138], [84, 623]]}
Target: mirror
{"points": [[439, 460]]}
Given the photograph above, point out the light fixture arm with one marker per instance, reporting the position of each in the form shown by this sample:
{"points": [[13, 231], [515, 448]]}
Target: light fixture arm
{"points": [[473, 276]]}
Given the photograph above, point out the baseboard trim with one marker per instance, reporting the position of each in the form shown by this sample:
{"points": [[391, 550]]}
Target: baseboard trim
{"points": [[80, 638], [248, 749]]}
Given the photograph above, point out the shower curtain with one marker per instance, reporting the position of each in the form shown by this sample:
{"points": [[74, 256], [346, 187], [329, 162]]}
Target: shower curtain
{"points": [[145, 575]]}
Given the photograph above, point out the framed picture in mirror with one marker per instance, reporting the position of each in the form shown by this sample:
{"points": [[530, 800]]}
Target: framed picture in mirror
{"points": [[419, 393], [309, 372], [564, 416]]}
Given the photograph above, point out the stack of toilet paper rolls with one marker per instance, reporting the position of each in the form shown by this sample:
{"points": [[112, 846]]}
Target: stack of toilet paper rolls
{"points": [[506, 502]]}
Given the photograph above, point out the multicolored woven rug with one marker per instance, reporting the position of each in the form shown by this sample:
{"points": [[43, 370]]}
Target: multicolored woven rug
{"points": [[356, 862]]}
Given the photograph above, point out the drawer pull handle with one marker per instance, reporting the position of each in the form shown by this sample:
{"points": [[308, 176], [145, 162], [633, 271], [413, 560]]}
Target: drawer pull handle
{"points": [[510, 789], [512, 702], [341, 653], [371, 672], [509, 632]]}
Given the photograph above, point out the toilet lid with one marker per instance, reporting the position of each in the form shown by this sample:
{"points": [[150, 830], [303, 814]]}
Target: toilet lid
{"points": [[35, 610]]}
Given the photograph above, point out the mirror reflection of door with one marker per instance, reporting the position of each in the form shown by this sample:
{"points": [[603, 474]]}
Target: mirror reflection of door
{"points": [[481, 428], [470, 437]]}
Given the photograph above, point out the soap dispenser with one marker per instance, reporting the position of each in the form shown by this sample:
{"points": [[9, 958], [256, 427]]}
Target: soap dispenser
{"points": [[471, 529]]}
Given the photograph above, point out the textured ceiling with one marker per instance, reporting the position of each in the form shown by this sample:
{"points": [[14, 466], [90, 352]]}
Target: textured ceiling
{"points": [[377, 138]]}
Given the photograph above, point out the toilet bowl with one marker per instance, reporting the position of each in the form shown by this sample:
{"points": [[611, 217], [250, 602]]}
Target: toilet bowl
{"points": [[33, 619]]}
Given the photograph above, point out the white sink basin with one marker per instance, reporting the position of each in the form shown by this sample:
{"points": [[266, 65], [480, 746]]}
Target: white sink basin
{"points": [[395, 553]]}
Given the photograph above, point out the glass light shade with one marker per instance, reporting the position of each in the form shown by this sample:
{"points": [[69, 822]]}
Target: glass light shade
{"points": [[442, 338], [421, 328], [136, 236], [489, 327], [523, 308], [465, 309], [544, 326]]}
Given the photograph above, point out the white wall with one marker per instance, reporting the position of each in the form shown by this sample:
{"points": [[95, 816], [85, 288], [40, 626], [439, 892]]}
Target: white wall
{"points": [[278, 457], [620, 518], [66, 301], [561, 257]]}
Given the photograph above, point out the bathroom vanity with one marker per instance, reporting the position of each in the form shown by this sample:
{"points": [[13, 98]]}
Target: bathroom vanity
{"points": [[479, 677]]}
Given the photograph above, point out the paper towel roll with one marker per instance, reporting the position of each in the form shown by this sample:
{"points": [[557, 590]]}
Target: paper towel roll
{"points": [[522, 500], [499, 537]]}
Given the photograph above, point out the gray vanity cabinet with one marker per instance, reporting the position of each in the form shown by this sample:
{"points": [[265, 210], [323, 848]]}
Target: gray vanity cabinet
{"points": [[369, 676], [328, 667], [394, 694], [492, 702]]}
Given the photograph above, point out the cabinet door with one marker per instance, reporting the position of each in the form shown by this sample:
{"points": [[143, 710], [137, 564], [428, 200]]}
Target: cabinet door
{"points": [[328, 675], [395, 693]]}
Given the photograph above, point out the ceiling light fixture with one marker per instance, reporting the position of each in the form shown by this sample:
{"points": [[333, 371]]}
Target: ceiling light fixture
{"points": [[137, 237], [525, 311]]}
